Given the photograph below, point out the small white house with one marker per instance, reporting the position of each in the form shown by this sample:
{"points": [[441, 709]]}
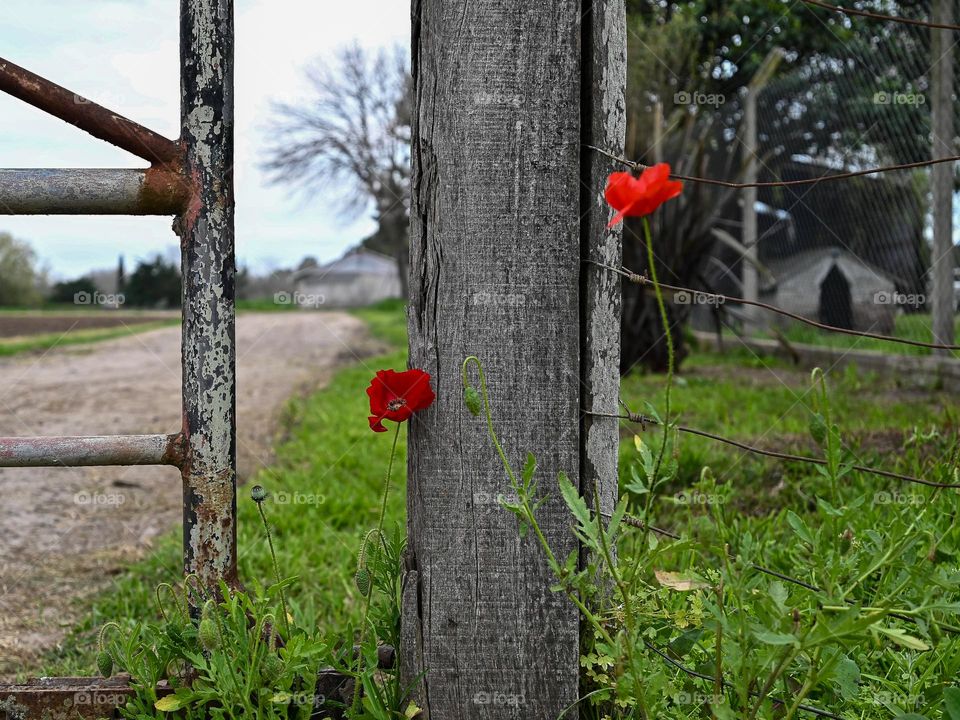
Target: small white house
{"points": [[361, 277], [835, 287]]}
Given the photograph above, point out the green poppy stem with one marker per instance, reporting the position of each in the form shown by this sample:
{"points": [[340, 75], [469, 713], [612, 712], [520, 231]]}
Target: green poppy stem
{"points": [[369, 595]]}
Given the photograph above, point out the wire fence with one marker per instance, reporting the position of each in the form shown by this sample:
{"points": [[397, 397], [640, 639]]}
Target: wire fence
{"points": [[845, 151]]}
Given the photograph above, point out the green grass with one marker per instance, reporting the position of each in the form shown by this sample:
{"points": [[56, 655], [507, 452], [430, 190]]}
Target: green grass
{"points": [[263, 305], [767, 403], [46, 341], [326, 485]]}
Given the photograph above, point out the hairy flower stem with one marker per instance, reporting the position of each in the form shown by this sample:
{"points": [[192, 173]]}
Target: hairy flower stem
{"points": [[671, 362], [276, 567], [628, 608], [369, 595], [529, 514]]}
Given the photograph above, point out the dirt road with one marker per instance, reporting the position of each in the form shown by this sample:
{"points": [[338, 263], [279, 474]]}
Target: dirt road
{"points": [[64, 531]]}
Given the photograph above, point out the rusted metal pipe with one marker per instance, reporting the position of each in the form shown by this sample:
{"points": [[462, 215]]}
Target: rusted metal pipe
{"points": [[154, 191], [208, 268], [91, 451], [73, 697], [86, 115]]}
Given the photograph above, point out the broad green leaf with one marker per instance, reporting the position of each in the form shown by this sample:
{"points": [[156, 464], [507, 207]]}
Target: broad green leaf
{"points": [[774, 638], [902, 638], [578, 506], [799, 527], [778, 592], [846, 674], [170, 703], [951, 702]]}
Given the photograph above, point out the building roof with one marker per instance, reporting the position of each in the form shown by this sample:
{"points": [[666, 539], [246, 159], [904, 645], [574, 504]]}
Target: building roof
{"points": [[357, 261], [811, 260]]}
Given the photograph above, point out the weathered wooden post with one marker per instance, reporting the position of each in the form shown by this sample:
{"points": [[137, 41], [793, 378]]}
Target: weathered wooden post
{"points": [[748, 213], [506, 207], [943, 260]]}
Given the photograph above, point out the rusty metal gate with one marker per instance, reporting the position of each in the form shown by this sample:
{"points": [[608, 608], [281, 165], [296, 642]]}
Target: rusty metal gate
{"points": [[191, 179]]}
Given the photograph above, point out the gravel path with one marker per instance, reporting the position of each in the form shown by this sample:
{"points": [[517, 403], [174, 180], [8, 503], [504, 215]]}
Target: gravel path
{"points": [[65, 531]]}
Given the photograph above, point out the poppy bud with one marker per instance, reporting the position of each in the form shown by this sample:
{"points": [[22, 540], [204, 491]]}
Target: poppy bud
{"points": [[472, 398], [362, 579], [104, 664], [935, 633], [271, 669], [207, 634]]}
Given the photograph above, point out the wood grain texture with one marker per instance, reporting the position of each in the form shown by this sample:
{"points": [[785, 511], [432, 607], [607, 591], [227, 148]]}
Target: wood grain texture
{"points": [[604, 112], [496, 250]]}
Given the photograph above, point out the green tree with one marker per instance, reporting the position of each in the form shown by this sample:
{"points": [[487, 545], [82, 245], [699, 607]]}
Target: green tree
{"points": [[66, 291], [155, 283], [20, 279], [351, 139], [711, 50]]}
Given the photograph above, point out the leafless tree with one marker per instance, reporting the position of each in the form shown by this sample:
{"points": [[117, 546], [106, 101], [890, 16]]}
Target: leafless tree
{"points": [[350, 139]]}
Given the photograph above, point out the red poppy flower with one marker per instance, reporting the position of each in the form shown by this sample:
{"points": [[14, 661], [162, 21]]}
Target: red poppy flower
{"points": [[636, 197], [397, 396]]}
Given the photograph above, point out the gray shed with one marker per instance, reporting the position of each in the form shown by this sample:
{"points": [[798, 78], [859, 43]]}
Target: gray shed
{"points": [[834, 287], [361, 277]]}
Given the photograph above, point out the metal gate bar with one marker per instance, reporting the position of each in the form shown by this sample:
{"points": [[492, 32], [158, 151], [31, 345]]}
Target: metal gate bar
{"points": [[154, 191], [86, 115], [192, 179], [92, 451]]}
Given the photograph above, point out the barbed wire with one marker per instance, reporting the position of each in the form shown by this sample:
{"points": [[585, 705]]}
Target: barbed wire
{"points": [[644, 420], [639, 279], [782, 183], [879, 16], [753, 693], [640, 524]]}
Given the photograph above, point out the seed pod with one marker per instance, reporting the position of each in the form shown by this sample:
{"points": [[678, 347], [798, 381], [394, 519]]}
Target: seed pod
{"points": [[105, 663], [271, 669], [207, 634], [472, 398], [258, 494], [362, 579]]}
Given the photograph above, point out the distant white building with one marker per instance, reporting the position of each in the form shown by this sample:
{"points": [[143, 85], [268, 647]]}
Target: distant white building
{"points": [[361, 277], [835, 287]]}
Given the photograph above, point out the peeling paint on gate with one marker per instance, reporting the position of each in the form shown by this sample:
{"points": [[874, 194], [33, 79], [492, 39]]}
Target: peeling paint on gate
{"points": [[207, 243]]}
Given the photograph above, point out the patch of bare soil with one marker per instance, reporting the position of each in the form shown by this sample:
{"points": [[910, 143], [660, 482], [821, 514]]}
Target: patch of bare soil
{"points": [[32, 323], [65, 531]]}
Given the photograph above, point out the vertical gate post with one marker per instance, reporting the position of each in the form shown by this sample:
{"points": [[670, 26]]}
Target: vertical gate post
{"points": [[944, 258], [207, 243], [497, 249]]}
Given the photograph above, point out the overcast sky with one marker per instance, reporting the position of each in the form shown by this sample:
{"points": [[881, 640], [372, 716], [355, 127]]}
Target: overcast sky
{"points": [[124, 54]]}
